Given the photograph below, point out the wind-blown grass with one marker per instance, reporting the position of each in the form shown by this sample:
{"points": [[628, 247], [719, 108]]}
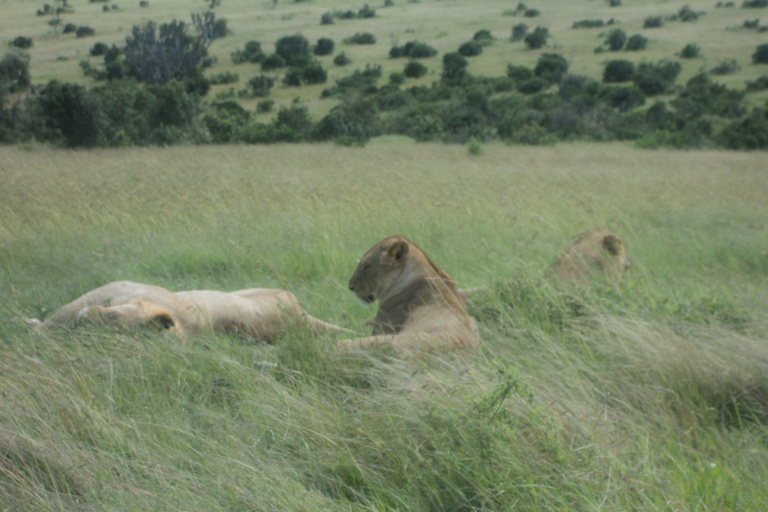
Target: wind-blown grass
{"points": [[649, 394]]}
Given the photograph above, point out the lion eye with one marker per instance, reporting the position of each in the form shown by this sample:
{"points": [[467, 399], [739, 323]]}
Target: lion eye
{"points": [[365, 269]]}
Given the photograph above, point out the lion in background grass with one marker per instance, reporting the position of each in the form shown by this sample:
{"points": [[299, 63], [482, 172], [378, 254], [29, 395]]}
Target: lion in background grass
{"points": [[420, 309]]}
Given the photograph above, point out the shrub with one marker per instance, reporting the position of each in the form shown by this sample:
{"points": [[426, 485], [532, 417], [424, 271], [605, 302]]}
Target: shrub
{"points": [[22, 42], [471, 49], [360, 38], [588, 24], [614, 3], [226, 77], [252, 53], [294, 50], [636, 42], [475, 147], [748, 133], [726, 67], [617, 71], [326, 18], [625, 98], [415, 69], [75, 113], [761, 55], [98, 49], [272, 61], [519, 31], [144, 3], [537, 38], [454, 67], [761, 84], [69, 28], [413, 50], [366, 12], [324, 46], [261, 85], [14, 71], [654, 79], [293, 77], [531, 86], [687, 14], [653, 22], [483, 36], [551, 67], [755, 3], [690, 51], [519, 73], [616, 40], [84, 31], [397, 78], [531, 13], [341, 59], [313, 73], [265, 106]]}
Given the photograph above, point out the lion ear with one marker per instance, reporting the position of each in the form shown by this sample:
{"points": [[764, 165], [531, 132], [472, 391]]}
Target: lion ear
{"points": [[163, 320], [398, 250], [612, 244]]}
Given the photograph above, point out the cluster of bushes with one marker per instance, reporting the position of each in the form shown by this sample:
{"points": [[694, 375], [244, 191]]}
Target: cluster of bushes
{"points": [[328, 18], [251, 52], [617, 40], [597, 23], [537, 39], [412, 50], [360, 38]]}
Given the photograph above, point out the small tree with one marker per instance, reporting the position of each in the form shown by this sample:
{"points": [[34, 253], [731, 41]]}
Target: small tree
{"points": [[617, 71], [519, 31], [616, 40], [294, 49], [551, 67], [471, 48], [261, 85], [22, 42], [324, 46], [761, 54], [537, 39], [636, 42], [415, 69], [454, 67], [690, 51]]}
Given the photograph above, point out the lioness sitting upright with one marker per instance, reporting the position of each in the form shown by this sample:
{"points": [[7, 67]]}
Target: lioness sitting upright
{"points": [[258, 313], [594, 252], [420, 309]]}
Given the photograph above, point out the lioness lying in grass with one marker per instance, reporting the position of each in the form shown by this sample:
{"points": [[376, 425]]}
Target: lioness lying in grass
{"points": [[420, 309], [257, 313]]}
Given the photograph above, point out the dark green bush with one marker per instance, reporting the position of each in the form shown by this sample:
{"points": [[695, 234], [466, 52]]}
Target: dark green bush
{"points": [[272, 61], [761, 55], [326, 18], [588, 23], [415, 69], [636, 42], [532, 13], [226, 77], [22, 42], [519, 31], [252, 53], [726, 67], [531, 86], [313, 73], [293, 77], [755, 3], [261, 85], [74, 113], [397, 78], [761, 84], [413, 50], [84, 31], [69, 28], [537, 38], [616, 40], [14, 72], [471, 48], [366, 12], [748, 133], [293, 124], [483, 36], [519, 73], [324, 46], [690, 51], [454, 67], [98, 49], [551, 67], [624, 98], [360, 38], [294, 50], [265, 106], [341, 59], [359, 120], [617, 71], [653, 22], [687, 14], [654, 79]]}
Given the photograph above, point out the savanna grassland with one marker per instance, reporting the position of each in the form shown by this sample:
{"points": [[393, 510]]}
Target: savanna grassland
{"points": [[650, 394], [443, 24]]}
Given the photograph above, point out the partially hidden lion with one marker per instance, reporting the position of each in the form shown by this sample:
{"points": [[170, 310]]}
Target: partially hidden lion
{"points": [[258, 313], [420, 310], [594, 252]]}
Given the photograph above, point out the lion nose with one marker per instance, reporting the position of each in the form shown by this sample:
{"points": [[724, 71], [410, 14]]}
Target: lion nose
{"points": [[351, 287]]}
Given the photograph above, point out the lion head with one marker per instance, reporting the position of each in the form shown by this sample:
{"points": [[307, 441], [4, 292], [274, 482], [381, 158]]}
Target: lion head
{"points": [[594, 251]]}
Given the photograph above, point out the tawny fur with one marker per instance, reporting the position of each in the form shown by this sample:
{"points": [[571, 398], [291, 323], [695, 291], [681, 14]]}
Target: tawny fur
{"points": [[420, 309], [258, 313]]}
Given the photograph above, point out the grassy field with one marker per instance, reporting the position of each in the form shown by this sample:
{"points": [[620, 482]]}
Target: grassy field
{"points": [[443, 24], [648, 395]]}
